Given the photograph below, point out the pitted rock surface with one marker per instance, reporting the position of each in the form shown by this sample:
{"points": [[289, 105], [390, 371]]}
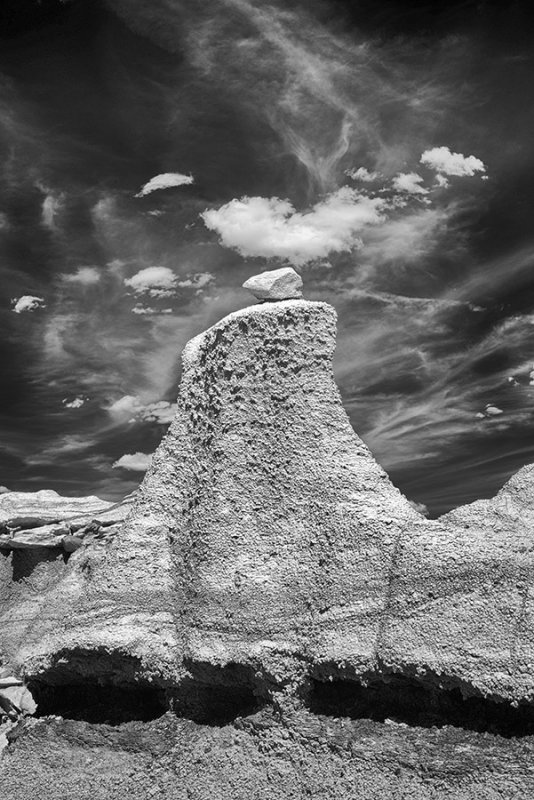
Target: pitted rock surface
{"points": [[266, 535], [266, 552]]}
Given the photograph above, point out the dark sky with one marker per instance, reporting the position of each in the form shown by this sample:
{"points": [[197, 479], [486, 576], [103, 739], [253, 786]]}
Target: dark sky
{"points": [[263, 114]]}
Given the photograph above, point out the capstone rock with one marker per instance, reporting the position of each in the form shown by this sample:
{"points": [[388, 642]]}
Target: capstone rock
{"points": [[276, 284]]}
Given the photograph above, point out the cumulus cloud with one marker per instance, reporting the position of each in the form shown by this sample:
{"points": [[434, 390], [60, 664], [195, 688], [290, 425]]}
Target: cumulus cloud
{"points": [[78, 402], [161, 412], [362, 174], [441, 181], [125, 408], [409, 182], [134, 462], [132, 409], [443, 161], [272, 228], [27, 303], [166, 180], [154, 281], [86, 276]]}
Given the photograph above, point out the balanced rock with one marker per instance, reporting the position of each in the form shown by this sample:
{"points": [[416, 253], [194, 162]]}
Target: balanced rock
{"points": [[276, 284], [267, 558]]}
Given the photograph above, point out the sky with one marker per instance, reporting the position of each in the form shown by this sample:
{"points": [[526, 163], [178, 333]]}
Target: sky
{"points": [[153, 156]]}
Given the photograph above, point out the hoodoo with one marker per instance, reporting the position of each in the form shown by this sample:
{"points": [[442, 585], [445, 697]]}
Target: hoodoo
{"points": [[267, 559]]}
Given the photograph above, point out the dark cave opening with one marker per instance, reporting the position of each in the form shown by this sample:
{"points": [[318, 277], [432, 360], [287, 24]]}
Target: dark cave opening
{"points": [[97, 703], [217, 695], [215, 705], [418, 703], [97, 686]]}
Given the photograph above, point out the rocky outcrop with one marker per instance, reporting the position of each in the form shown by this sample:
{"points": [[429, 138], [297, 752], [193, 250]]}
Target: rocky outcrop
{"points": [[44, 519], [268, 561]]}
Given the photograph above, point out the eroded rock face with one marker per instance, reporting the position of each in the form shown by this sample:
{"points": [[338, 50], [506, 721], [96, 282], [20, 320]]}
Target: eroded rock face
{"points": [[282, 523], [267, 558], [266, 535]]}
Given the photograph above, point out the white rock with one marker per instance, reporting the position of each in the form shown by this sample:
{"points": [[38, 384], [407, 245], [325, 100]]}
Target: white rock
{"points": [[9, 680], [492, 411], [277, 284], [21, 697], [45, 536]]}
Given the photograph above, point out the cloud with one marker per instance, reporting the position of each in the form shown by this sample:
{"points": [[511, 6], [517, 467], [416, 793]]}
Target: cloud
{"points": [[87, 276], [51, 207], [27, 303], [362, 174], [407, 238], [197, 281], [166, 180], [134, 462], [409, 182], [444, 162], [78, 402], [421, 508], [131, 409], [140, 309], [441, 181], [272, 228], [154, 281], [125, 409], [161, 412]]}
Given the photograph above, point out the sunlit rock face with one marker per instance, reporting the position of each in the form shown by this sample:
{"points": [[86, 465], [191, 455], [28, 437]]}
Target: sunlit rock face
{"points": [[283, 525], [267, 560], [265, 535]]}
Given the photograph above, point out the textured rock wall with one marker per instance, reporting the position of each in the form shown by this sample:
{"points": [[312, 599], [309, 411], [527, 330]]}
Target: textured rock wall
{"points": [[265, 535], [283, 525], [268, 561]]}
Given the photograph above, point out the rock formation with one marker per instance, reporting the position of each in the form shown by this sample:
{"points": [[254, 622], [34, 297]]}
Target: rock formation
{"points": [[277, 284], [269, 575]]}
